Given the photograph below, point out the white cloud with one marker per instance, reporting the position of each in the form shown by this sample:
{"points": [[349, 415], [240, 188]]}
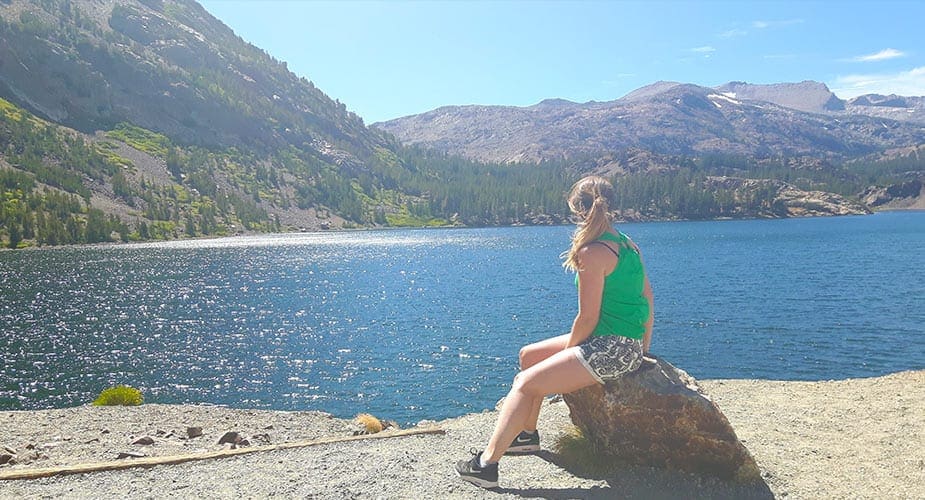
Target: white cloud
{"points": [[776, 24], [907, 83], [733, 33], [703, 50], [880, 56]]}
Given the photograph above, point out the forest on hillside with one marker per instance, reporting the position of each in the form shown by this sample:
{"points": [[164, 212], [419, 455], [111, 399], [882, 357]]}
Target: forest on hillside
{"points": [[49, 176]]}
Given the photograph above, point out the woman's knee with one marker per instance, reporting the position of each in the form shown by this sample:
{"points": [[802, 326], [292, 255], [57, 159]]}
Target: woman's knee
{"points": [[531, 355], [527, 385], [524, 357]]}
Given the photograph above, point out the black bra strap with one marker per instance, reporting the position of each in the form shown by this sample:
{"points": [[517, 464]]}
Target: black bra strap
{"points": [[607, 247]]}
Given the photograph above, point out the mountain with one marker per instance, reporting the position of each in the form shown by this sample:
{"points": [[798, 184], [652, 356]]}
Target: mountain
{"points": [[761, 121], [892, 107], [139, 119], [150, 119], [167, 66], [815, 97], [809, 96]]}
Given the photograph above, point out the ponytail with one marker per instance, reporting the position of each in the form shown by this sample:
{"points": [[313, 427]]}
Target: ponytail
{"points": [[590, 200]]}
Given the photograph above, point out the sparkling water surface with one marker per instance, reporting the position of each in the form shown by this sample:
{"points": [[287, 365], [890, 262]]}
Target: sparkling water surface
{"points": [[415, 324]]}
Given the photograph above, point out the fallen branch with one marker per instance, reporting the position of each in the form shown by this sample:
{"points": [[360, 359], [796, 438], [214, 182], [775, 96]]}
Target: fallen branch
{"points": [[191, 457]]}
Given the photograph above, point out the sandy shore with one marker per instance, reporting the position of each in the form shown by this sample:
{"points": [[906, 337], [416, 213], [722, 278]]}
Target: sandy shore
{"points": [[860, 438]]}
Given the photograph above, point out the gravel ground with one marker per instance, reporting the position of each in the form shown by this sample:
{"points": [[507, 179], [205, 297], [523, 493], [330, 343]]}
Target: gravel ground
{"points": [[862, 438]]}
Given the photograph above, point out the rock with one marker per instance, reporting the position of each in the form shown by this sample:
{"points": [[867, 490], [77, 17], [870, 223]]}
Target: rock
{"points": [[130, 454], [262, 438], [659, 416], [193, 432], [900, 195], [6, 458], [9, 450], [29, 457], [144, 440], [230, 437]]}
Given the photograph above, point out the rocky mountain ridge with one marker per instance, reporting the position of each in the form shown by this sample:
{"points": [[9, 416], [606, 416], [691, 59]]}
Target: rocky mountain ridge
{"points": [[790, 120]]}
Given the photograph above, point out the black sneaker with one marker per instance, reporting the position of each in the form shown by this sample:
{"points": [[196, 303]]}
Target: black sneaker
{"points": [[471, 471], [525, 442]]}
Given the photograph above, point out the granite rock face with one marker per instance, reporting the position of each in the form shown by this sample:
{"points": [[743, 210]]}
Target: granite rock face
{"points": [[658, 416]]}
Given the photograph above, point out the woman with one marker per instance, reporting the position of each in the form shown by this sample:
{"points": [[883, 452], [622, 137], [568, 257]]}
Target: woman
{"points": [[610, 333]]}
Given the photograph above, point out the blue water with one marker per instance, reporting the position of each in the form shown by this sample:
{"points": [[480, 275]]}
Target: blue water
{"points": [[415, 324]]}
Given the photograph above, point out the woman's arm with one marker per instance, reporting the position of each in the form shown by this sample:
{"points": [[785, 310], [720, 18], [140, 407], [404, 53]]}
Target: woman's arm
{"points": [[647, 338], [593, 267]]}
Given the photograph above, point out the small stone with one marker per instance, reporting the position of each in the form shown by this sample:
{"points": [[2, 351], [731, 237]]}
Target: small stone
{"points": [[130, 454], [144, 440], [94, 440], [193, 432], [230, 437], [6, 458], [243, 442], [104, 431], [30, 446], [9, 450], [268, 428]]}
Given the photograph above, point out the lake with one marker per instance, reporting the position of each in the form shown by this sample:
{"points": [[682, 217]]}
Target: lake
{"points": [[415, 324]]}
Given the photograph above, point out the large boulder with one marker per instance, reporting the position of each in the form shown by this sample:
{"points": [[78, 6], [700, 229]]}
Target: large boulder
{"points": [[658, 416]]}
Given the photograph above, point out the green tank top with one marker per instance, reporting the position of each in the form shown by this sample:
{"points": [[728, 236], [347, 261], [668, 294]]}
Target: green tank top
{"points": [[624, 310]]}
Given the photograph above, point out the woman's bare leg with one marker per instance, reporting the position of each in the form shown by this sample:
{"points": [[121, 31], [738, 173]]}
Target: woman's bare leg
{"points": [[531, 355], [560, 373]]}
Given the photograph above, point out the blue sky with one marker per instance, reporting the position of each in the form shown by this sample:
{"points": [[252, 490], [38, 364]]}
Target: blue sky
{"points": [[390, 59]]}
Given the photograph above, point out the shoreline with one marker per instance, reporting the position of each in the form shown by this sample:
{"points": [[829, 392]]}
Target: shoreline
{"points": [[121, 244], [861, 438], [322, 411]]}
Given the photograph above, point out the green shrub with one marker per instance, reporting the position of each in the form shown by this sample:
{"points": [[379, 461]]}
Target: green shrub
{"points": [[120, 395]]}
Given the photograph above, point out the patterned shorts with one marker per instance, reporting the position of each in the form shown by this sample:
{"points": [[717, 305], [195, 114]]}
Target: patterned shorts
{"points": [[609, 357]]}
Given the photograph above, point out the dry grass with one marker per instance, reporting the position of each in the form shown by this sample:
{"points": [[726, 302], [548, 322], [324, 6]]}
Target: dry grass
{"points": [[369, 422], [575, 450]]}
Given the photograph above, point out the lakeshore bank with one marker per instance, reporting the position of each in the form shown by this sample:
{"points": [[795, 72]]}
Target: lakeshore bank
{"points": [[855, 438]]}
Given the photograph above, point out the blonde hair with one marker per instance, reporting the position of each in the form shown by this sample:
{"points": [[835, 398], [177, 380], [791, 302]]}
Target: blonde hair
{"points": [[590, 199]]}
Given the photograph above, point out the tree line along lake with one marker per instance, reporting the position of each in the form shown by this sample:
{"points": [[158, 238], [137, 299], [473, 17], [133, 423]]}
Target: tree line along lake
{"points": [[426, 324]]}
